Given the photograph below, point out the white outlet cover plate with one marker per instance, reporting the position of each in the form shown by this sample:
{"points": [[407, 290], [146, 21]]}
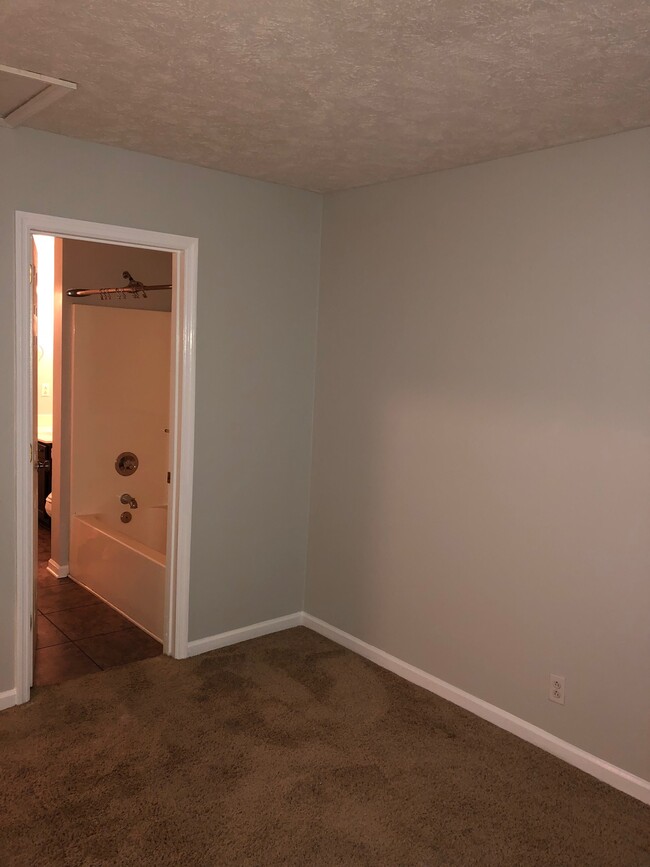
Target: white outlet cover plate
{"points": [[556, 688]]}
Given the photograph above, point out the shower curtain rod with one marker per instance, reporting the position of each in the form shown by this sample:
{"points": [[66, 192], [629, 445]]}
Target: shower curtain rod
{"points": [[133, 287], [117, 290]]}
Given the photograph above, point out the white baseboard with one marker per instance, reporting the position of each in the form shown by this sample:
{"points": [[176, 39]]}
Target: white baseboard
{"points": [[55, 570], [266, 627], [604, 771], [596, 767], [7, 699]]}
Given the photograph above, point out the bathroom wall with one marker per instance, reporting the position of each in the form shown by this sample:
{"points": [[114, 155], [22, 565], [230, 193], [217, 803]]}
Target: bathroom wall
{"points": [[120, 402], [259, 248], [45, 300], [89, 265]]}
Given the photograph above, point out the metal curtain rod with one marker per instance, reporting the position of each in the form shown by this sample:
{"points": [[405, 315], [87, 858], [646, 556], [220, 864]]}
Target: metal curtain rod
{"points": [[133, 287]]}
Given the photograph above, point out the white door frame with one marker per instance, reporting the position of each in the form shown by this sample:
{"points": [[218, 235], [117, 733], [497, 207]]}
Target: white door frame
{"points": [[181, 422]]}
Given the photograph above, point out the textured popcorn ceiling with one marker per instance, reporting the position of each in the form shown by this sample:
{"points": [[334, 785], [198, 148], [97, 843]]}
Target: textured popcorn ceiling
{"points": [[328, 94]]}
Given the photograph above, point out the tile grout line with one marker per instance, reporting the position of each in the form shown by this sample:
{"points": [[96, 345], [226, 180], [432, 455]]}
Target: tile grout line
{"points": [[110, 632], [94, 635], [76, 641], [72, 607], [88, 656]]}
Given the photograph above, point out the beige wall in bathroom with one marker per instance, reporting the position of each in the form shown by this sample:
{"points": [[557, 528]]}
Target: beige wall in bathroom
{"points": [[89, 265], [120, 402], [45, 294], [259, 248], [480, 500]]}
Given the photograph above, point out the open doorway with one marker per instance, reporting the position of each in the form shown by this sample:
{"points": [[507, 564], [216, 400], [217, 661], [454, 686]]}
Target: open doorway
{"points": [[105, 399]]}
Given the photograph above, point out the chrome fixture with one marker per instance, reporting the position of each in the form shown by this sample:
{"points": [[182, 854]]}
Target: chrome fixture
{"points": [[125, 517], [126, 463], [128, 499], [134, 288]]}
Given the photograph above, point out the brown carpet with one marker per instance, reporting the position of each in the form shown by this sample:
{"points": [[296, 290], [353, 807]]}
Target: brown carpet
{"points": [[289, 750]]}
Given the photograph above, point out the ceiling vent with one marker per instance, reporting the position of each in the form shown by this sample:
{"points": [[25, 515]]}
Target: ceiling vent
{"points": [[24, 93]]}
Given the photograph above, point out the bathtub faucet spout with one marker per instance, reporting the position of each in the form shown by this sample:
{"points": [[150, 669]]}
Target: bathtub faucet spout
{"points": [[127, 498]]}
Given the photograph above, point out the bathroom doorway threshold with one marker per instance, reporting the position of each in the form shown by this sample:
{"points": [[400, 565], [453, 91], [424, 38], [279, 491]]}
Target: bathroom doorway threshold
{"points": [[184, 281]]}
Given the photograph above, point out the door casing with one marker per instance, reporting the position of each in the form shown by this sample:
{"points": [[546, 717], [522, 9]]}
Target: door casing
{"points": [[185, 271]]}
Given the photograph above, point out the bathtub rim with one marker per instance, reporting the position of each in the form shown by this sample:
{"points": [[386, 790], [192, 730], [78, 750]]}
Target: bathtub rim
{"points": [[159, 557]]}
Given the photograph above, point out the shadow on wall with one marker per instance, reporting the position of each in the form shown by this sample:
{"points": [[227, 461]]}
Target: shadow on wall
{"points": [[480, 451]]}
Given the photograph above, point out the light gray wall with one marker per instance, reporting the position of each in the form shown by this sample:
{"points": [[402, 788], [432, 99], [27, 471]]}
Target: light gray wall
{"points": [[480, 496], [257, 303]]}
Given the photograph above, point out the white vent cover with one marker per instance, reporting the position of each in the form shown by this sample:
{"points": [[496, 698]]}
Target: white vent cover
{"points": [[24, 93]]}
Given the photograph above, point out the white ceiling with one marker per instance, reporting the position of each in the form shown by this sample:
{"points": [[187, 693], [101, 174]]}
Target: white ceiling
{"points": [[330, 94]]}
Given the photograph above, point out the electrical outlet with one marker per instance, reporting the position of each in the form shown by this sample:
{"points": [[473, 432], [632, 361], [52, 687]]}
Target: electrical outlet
{"points": [[556, 688], [45, 390]]}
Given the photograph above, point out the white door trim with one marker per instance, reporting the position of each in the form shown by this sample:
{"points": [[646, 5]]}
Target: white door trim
{"points": [[175, 637]]}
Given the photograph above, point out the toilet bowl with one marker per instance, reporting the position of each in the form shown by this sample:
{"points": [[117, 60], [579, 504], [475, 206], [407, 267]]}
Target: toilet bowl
{"points": [[48, 504]]}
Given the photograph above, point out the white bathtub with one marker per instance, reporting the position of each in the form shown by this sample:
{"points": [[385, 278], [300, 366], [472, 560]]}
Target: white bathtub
{"points": [[124, 564]]}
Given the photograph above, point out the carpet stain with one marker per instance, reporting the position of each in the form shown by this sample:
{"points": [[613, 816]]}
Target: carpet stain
{"points": [[289, 750]]}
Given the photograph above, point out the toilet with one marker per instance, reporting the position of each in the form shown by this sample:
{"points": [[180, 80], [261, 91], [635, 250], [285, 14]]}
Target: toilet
{"points": [[48, 504]]}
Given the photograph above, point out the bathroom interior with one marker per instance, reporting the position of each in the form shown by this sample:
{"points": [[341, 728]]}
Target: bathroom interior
{"points": [[103, 397]]}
